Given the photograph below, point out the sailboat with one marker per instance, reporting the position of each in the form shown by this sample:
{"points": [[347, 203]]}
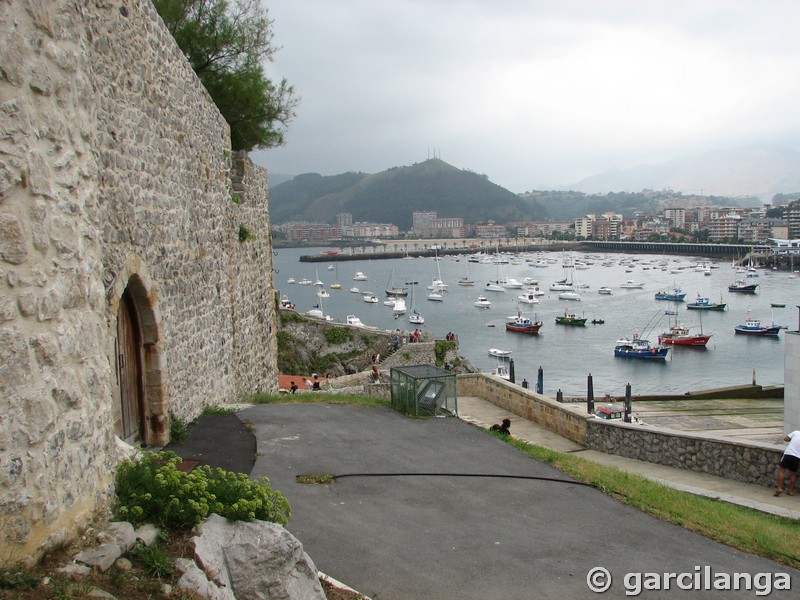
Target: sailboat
{"points": [[572, 292], [392, 290], [465, 280], [415, 317], [337, 285], [318, 312], [437, 285], [564, 285]]}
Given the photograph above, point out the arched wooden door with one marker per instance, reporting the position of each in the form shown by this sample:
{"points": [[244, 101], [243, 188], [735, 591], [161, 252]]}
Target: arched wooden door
{"points": [[130, 372]]}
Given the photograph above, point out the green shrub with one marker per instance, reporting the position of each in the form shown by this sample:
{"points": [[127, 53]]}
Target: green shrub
{"points": [[246, 234], [154, 490], [178, 429], [289, 317], [441, 348], [337, 335]]}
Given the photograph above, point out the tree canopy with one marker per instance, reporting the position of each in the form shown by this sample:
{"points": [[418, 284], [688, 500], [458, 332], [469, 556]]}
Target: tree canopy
{"points": [[227, 45]]}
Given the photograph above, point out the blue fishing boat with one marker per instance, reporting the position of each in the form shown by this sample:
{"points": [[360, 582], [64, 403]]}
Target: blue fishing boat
{"points": [[705, 304], [676, 295], [639, 348], [753, 326]]}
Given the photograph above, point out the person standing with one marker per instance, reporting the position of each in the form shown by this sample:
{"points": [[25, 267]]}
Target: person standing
{"points": [[790, 461]]}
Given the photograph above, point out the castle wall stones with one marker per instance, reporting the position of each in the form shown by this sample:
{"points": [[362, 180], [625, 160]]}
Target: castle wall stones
{"points": [[115, 174]]}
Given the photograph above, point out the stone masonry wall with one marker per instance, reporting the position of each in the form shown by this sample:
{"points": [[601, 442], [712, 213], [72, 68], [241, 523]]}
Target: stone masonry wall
{"points": [[56, 438], [115, 172], [732, 459], [737, 460]]}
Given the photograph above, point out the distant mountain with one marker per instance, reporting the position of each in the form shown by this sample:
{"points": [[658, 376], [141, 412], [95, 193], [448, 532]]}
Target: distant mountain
{"points": [[392, 195], [759, 169], [278, 178]]}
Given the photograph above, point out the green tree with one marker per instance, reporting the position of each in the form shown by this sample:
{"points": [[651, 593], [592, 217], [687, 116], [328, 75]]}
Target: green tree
{"points": [[227, 45]]}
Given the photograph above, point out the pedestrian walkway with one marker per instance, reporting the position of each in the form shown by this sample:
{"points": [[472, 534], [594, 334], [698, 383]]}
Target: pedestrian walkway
{"points": [[483, 413]]}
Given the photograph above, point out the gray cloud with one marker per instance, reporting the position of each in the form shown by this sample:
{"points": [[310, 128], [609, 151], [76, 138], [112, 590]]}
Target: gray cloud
{"points": [[531, 94]]}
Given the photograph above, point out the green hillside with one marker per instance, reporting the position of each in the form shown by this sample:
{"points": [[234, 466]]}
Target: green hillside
{"points": [[391, 196]]}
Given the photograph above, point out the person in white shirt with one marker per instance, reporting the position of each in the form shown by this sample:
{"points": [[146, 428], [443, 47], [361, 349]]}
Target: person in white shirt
{"points": [[790, 461]]}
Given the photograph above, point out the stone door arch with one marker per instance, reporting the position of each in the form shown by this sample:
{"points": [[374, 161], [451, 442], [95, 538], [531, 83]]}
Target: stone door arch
{"points": [[139, 407]]}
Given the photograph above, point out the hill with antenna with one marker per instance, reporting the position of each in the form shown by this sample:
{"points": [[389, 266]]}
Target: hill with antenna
{"points": [[392, 196]]}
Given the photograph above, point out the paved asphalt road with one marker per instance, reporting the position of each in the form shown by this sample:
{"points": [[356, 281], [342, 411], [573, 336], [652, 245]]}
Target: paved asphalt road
{"points": [[448, 537]]}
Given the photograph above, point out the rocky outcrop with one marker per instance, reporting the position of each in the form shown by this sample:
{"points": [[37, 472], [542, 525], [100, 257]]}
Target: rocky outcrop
{"points": [[255, 559], [233, 560]]}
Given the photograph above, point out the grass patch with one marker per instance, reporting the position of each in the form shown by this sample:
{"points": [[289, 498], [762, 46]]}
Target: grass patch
{"points": [[315, 478], [315, 398], [219, 410], [740, 527]]}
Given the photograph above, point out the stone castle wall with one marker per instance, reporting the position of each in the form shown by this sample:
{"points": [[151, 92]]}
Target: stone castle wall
{"points": [[115, 173]]}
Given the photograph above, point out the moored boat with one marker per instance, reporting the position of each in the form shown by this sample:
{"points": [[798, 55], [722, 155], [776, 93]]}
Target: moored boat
{"points": [[399, 306], [499, 352], [370, 298], [528, 298], [502, 372], [604, 290], [569, 318], [743, 287], [482, 302], [569, 295], [522, 324], [632, 285], [354, 321], [395, 291], [435, 296], [359, 276], [753, 326], [675, 295], [640, 349], [494, 286], [705, 304], [678, 335]]}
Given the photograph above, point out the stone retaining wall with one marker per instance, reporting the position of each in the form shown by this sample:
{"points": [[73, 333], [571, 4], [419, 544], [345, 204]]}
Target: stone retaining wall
{"points": [[749, 462], [741, 461], [525, 403]]}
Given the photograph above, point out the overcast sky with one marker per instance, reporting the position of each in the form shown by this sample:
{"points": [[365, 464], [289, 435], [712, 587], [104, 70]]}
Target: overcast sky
{"points": [[532, 94]]}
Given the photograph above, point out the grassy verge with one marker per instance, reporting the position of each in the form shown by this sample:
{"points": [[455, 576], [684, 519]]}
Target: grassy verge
{"points": [[748, 530]]}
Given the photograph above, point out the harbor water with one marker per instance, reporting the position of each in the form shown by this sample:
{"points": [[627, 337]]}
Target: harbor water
{"points": [[568, 354]]}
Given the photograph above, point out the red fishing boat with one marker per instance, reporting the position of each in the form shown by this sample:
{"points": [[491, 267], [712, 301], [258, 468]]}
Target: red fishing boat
{"points": [[522, 324], [678, 335]]}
